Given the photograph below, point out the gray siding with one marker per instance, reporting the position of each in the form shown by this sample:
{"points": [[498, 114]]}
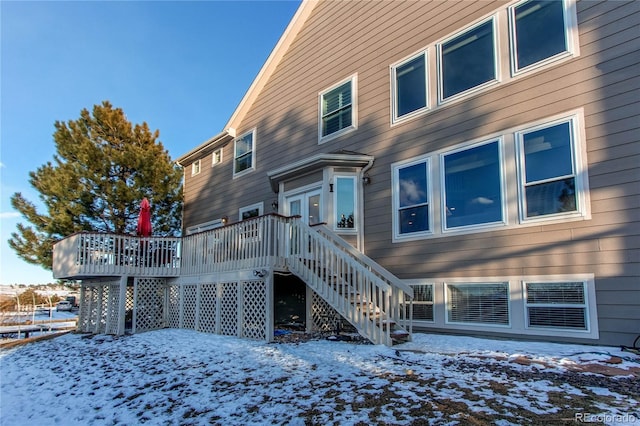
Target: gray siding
{"points": [[341, 39]]}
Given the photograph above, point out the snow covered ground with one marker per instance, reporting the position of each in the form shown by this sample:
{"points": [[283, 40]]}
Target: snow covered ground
{"points": [[182, 377]]}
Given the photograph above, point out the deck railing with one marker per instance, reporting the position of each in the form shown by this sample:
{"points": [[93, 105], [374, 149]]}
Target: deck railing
{"points": [[92, 254]]}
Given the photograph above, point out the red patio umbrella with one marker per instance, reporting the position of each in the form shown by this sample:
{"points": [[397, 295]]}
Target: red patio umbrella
{"points": [[144, 219]]}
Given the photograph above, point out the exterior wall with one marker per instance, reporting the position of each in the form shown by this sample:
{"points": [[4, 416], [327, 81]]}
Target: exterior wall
{"points": [[343, 39]]}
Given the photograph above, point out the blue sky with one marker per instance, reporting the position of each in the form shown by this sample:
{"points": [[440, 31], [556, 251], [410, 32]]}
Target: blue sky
{"points": [[182, 67]]}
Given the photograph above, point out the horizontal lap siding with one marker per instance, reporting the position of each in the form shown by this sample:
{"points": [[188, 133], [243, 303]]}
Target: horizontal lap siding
{"points": [[341, 39]]}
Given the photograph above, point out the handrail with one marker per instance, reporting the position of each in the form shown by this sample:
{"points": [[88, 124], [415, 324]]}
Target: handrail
{"points": [[377, 268]]}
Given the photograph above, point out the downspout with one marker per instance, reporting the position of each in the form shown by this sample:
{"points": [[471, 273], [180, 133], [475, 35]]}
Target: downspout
{"points": [[361, 175]]}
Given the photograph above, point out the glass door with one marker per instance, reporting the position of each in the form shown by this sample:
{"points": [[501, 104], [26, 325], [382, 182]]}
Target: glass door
{"points": [[307, 205]]}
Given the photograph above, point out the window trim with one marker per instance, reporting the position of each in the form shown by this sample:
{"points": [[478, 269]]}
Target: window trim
{"points": [[395, 190], [431, 303], [496, 62], [213, 157], [503, 192], [204, 226], [353, 79], [253, 154], [394, 88], [196, 167], [570, 32]]}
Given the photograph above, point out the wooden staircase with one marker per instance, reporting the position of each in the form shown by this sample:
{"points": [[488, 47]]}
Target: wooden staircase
{"points": [[371, 299]]}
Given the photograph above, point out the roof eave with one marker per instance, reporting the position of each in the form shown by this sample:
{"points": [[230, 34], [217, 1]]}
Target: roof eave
{"points": [[219, 139]]}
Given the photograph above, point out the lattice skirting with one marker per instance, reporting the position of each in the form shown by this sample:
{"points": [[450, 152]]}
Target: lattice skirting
{"points": [[323, 317], [234, 308]]}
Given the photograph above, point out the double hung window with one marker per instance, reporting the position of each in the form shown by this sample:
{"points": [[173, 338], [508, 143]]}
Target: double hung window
{"points": [[337, 109], [556, 305], [468, 60], [411, 198], [539, 32], [548, 170], [244, 159]]}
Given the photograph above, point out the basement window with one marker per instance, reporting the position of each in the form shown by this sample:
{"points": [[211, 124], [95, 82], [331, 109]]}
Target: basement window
{"points": [[556, 305]]}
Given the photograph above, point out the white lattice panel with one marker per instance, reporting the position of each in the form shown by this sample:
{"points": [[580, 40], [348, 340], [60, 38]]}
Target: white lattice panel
{"points": [[208, 307], [149, 304], [87, 296], [189, 300], [113, 304], [323, 316], [174, 306], [229, 309], [101, 308], [254, 304]]}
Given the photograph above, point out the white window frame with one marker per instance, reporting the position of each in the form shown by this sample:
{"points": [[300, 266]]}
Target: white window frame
{"points": [[578, 166], [496, 61], [354, 109], [354, 181], [479, 284], [584, 306], [395, 182], [253, 154], [205, 226], [425, 302], [570, 31], [257, 206], [395, 118], [196, 167], [215, 161], [503, 196]]}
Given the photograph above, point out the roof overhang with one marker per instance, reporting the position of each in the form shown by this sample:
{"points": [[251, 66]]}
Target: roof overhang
{"points": [[206, 147], [314, 163]]}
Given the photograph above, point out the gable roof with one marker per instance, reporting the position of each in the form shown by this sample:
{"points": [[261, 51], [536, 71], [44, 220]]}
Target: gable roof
{"points": [[278, 52]]}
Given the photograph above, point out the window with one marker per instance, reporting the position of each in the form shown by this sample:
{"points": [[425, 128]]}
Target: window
{"points": [[549, 178], [478, 303], [538, 32], [216, 157], [468, 60], [337, 109], [422, 302], [556, 305], [472, 186], [248, 212], [345, 203], [195, 168], [410, 87], [244, 159], [411, 201], [202, 227]]}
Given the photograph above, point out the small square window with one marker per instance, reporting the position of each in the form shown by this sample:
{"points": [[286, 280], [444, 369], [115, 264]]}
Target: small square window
{"points": [[195, 168], [216, 157], [539, 32], [410, 87], [244, 158], [468, 60], [549, 172], [337, 109]]}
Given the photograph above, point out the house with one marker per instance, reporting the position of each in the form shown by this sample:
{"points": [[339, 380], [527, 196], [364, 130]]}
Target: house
{"points": [[463, 167]]}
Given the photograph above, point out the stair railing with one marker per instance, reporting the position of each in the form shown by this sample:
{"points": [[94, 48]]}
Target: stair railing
{"points": [[364, 293]]}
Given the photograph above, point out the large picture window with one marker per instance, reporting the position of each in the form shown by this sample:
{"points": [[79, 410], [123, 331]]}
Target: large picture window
{"points": [[410, 87], [472, 186], [468, 60], [244, 159], [411, 201], [548, 168], [538, 32], [337, 109], [478, 303]]}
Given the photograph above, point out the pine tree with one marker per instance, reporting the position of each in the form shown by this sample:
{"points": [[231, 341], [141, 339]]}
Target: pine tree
{"points": [[102, 169]]}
